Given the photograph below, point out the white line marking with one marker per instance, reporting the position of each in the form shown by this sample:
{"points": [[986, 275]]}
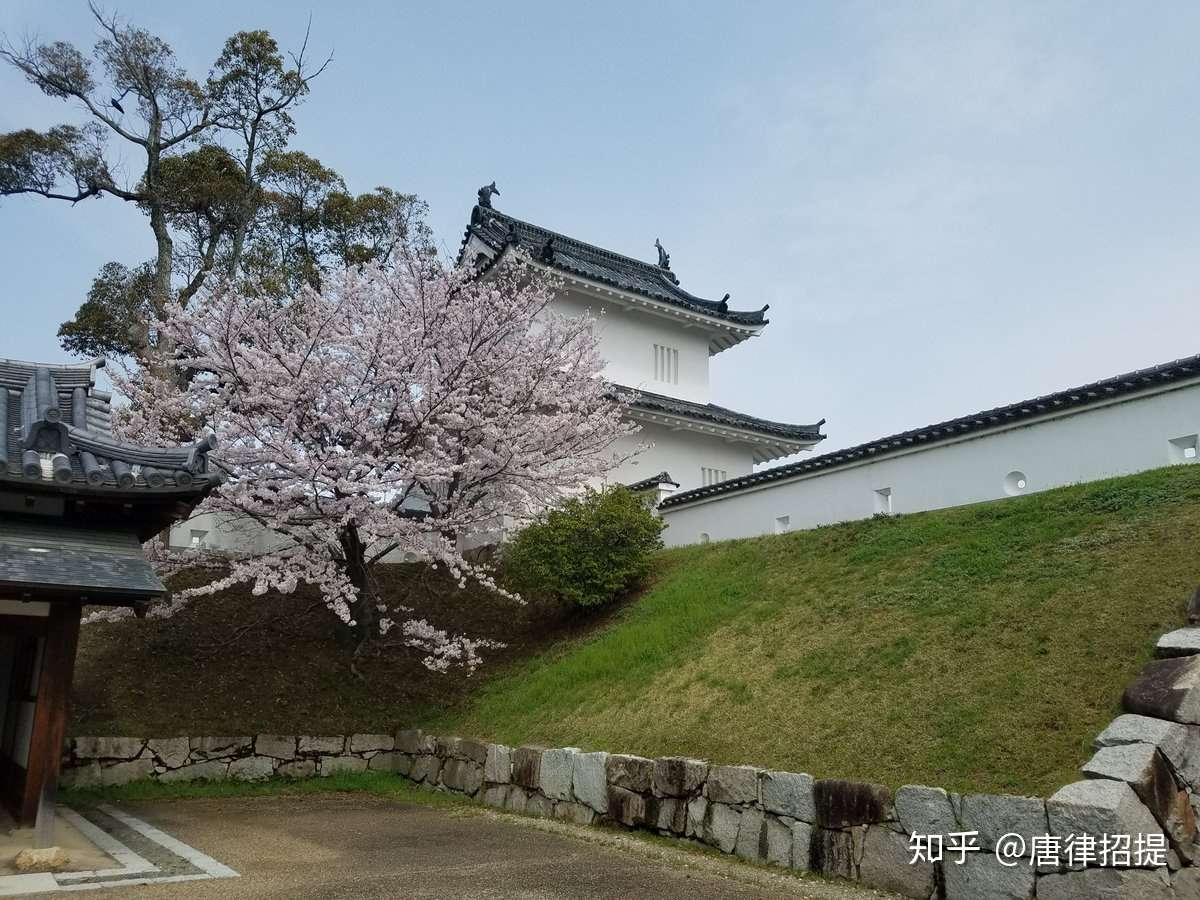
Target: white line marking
{"points": [[201, 861], [130, 863]]}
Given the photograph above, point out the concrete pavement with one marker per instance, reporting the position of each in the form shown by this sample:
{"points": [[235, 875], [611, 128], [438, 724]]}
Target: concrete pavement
{"points": [[319, 847]]}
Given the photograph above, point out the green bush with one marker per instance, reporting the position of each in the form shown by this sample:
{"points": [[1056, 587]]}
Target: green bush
{"points": [[588, 551]]}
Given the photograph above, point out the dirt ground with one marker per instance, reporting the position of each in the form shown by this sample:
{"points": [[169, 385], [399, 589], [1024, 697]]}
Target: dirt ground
{"points": [[347, 846]]}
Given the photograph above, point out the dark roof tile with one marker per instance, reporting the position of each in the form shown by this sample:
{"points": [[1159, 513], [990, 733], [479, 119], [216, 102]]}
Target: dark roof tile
{"points": [[1131, 382]]}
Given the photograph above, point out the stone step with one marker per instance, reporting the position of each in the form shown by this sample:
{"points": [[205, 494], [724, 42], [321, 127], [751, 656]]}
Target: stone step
{"points": [[1180, 642]]}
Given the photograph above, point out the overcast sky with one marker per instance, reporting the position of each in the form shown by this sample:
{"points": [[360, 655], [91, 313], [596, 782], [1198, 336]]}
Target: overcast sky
{"points": [[948, 206]]}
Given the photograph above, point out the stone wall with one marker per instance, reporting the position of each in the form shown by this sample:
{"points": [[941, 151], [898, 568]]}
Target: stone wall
{"points": [[1144, 779]]}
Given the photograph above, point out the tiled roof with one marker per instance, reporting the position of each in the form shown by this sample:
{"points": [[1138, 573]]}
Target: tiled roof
{"points": [[57, 431], [40, 557], [1014, 413], [653, 481], [719, 415], [575, 257]]}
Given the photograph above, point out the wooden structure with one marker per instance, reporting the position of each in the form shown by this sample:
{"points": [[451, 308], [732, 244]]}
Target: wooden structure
{"points": [[75, 507]]}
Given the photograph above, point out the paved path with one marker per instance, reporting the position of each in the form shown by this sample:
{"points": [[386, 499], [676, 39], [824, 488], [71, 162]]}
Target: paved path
{"points": [[362, 847]]}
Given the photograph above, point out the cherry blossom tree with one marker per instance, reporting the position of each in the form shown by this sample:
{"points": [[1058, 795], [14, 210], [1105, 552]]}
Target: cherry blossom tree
{"points": [[395, 410]]}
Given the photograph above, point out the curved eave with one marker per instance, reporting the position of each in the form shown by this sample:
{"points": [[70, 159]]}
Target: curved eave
{"points": [[111, 491], [764, 445], [724, 333]]}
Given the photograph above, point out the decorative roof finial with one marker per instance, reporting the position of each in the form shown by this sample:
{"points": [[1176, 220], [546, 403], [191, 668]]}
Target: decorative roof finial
{"points": [[664, 258], [723, 306], [485, 195]]}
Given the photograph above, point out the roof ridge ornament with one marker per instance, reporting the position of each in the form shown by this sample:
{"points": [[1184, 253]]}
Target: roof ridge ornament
{"points": [[485, 195], [664, 258]]}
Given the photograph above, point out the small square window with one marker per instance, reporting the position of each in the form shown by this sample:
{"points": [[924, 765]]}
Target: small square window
{"points": [[782, 524], [883, 501], [1183, 449], [199, 540]]}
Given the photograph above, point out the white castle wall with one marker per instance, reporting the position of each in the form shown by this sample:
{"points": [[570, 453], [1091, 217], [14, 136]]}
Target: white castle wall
{"points": [[1132, 434]]}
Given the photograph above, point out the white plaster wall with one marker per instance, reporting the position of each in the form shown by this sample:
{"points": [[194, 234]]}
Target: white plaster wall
{"points": [[681, 453], [1101, 441], [627, 339]]}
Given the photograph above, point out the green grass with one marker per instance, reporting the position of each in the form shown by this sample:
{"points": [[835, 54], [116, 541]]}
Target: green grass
{"points": [[979, 648], [380, 784]]}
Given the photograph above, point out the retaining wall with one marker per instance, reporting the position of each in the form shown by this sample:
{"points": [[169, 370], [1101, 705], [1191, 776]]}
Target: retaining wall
{"points": [[1143, 781]]}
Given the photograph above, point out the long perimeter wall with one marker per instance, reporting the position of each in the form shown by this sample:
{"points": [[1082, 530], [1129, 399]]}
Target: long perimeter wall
{"points": [[1132, 433]]}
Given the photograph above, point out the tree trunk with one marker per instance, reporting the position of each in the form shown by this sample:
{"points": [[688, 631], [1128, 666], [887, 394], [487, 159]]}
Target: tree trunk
{"points": [[362, 610]]}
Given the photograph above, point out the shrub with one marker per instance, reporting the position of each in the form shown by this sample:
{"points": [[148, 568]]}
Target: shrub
{"points": [[588, 551]]}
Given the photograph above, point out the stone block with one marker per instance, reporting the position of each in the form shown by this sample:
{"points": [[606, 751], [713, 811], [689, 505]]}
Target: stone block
{"points": [[108, 747], [475, 751], [778, 837], [299, 768], [982, 877], [1167, 689], [46, 859], [363, 743], [538, 805], [751, 837], [388, 761], [332, 765], [626, 807], [575, 813], [721, 826], [205, 770], [462, 775], [927, 810], [697, 808], [884, 865], [633, 773], [251, 768], [835, 851], [327, 745], [171, 752], [82, 776], [667, 814], [1108, 884], [497, 766], [1099, 807], [1180, 642], [426, 769], [789, 794], [1144, 768], [277, 746], [589, 780], [124, 772], [220, 747], [494, 795], [414, 741], [526, 767], [733, 785], [802, 846], [403, 763], [841, 804], [678, 776], [516, 799], [995, 815], [555, 773]]}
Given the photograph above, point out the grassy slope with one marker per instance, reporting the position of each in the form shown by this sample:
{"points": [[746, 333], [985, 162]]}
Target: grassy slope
{"points": [[978, 648]]}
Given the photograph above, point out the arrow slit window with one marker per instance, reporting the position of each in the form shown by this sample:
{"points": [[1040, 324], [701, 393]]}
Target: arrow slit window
{"points": [[666, 364]]}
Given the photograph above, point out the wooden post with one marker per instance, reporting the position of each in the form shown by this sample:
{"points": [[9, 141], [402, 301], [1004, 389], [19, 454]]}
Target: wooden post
{"points": [[50, 715]]}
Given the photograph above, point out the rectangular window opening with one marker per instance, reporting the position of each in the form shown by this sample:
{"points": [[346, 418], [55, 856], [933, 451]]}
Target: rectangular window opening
{"points": [[199, 539], [783, 524], [709, 476], [666, 364], [1183, 449], [883, 502]]}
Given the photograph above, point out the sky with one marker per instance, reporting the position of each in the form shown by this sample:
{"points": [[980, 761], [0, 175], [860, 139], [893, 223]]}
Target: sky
{"points": [[948, 206]]}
